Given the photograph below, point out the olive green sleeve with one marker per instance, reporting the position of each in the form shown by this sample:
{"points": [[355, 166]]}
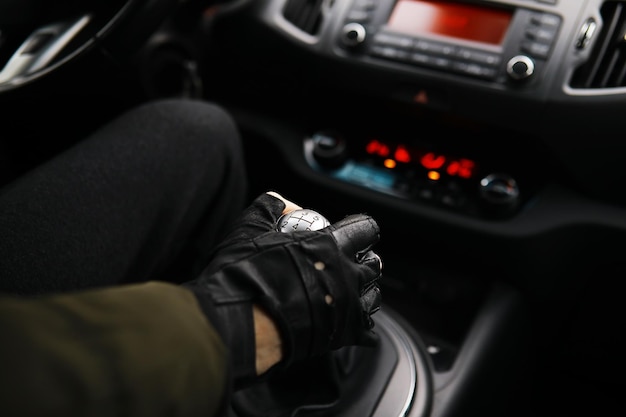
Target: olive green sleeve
{"points": [[136, 350]]}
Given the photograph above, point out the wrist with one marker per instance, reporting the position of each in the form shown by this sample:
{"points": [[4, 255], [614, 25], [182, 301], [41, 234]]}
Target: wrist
{"points": [[269, 346], [235, 324]]}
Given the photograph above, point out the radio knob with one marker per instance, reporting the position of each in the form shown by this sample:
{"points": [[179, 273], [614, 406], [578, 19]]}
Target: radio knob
{"points": [[520, 67], [353, 34]]}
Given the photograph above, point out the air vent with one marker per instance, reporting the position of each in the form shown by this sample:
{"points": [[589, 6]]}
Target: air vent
{"points": [[606, 67], [305, 14]]}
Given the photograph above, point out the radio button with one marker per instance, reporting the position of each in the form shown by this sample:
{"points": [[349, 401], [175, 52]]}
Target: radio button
{"points": [[390, 53], [436, 48], [431, 61], [386, 39], [479, 57], [545, 20], [359, 16], [364, 4], [540, 34], [536, 49], [475, 70]]}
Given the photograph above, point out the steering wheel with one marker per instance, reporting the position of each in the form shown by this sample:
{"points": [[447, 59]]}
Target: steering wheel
{"points": [[39, 37]]}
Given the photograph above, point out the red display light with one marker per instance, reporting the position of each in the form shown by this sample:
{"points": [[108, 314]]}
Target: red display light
{"points": [[432, 161], [402, 154], [462, 167], [435, 163], [375, 147]]}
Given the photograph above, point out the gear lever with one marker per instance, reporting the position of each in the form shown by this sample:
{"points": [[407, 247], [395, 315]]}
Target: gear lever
{"points": [[302, 219], [310, 220], [317, 385]]}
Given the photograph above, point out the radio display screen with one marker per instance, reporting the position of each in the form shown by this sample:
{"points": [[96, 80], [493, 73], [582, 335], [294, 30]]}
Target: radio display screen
{"points": [[446, 18]]}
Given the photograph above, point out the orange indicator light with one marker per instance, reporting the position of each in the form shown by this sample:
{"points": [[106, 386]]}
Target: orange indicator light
{"points": [[433, 175], [389, 163]]}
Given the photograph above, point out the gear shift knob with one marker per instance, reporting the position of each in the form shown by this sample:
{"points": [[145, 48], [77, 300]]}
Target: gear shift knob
{"points": [[301, 220]]}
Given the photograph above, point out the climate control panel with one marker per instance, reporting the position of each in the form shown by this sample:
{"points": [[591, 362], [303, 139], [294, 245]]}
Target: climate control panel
{"points": [[416, 172]]}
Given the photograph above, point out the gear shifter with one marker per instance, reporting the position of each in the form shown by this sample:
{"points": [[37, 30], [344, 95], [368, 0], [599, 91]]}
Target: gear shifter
{"points": [[310, 220], [312, 386], [349, 382], [302, 219]]}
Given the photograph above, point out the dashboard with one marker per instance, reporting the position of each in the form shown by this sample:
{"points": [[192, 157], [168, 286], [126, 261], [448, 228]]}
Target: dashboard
{"points": [[495, 120], [543, 77], [485, 137]]}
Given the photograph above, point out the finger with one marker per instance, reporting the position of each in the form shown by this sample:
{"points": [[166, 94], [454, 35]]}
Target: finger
{"points": [[289, 205], [259, 217], [370, 304], [355, 234], [373, 261]]}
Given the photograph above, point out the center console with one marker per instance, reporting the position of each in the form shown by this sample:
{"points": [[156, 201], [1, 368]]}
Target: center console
{"points": [[391, 379], [505, 64], [405, 374], [459, 132]]}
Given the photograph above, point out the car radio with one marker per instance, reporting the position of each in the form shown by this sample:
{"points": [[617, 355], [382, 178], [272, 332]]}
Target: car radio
{"points": [[492, 41]]}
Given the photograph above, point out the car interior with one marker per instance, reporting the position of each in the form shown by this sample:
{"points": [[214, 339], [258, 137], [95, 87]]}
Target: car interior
{"points": [[484, 136]]}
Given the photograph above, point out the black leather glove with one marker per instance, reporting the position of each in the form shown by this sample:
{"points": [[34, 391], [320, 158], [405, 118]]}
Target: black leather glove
{"points": [[321, 287]]}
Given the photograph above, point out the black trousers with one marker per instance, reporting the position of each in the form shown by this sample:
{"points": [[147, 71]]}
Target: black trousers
{"points": [[143, 198]]}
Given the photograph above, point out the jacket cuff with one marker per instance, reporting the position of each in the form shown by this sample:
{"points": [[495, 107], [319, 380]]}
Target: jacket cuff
{"points": [[235, 324]]}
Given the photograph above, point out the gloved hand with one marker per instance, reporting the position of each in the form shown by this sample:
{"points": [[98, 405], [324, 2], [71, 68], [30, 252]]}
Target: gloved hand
{"points": [[320, 287]]}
